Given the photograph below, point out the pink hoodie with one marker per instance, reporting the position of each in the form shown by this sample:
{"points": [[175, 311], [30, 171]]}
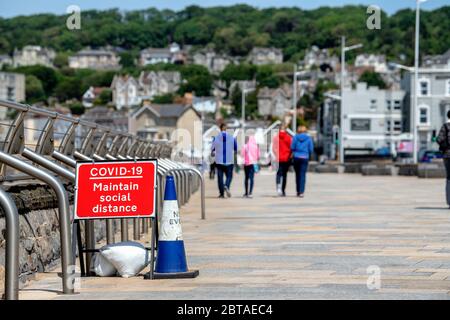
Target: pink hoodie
{"points": [[250, 152]]}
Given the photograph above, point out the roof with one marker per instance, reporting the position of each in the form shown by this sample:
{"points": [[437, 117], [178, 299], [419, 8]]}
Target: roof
{"points": [[266, 50], [438, 59], [90, 52], [164, 110]]}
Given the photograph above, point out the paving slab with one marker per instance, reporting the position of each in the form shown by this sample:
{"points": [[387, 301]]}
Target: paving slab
{"points": [[324, 246]]}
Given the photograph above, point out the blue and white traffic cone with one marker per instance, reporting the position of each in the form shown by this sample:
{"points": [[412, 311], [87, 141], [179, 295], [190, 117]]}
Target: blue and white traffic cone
{"points": [[171, 256]]}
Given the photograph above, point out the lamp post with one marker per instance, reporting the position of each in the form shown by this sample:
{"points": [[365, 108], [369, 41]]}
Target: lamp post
{"points": [[244, 92], [294, 98], [416, 82], [344, 49]]}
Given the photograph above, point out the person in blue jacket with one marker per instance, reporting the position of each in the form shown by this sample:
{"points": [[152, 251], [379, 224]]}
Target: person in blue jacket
{"points": [[302, 147]]}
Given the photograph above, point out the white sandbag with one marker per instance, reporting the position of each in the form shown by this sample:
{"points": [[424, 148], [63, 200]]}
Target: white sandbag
{"points": [[101, 266], [129, 258]]}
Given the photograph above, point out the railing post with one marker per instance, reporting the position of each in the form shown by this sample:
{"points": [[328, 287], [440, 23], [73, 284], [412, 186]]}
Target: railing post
{"points": [[12, 247], [64, 215]]}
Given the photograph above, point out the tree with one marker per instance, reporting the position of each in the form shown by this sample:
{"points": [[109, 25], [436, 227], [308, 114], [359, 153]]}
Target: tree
{"points": [[47, 76], [241, 72], [266, 77], [373, 79], [163, 99], [34, 90], [68, 88], [104, 98], [77, 108], [127, 59]]}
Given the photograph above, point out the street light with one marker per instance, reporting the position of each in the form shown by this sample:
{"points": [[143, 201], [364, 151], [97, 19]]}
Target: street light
{"points": [[416, 80], [294, 98], [244, 92], [344, 49]]}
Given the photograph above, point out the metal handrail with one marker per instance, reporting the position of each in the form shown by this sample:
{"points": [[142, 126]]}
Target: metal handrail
{"points": [[12, 246], [64, 215]]}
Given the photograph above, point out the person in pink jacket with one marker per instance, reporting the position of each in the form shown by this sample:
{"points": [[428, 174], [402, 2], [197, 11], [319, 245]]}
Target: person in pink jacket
{"points": [[250, 154]]}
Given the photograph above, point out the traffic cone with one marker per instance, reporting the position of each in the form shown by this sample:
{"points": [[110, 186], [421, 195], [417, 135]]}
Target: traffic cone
{"points": [[171, 256]]}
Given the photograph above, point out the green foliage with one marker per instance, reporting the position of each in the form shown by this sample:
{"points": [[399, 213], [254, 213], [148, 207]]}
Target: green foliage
{"points": [[127, 59], [265, 76], [164, 99], [373, 79], [48, 76], [251, 103], [242, 71], [104, 98], [233, 29], [34, 89], [197, 79], [68, 88], [76, 108]]}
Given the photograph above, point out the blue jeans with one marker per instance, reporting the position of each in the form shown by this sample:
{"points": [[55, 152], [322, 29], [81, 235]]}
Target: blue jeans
{"points": [[301, 167], [249, 178], [222, 169]]}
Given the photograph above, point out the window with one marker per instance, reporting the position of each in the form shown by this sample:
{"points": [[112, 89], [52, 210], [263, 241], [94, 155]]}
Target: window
{"points": [[397, 105], [373, 105], [360, 124], [397, 126], [447, 88], [388, 125], [424, 115], [424, 87], [388, 104]]}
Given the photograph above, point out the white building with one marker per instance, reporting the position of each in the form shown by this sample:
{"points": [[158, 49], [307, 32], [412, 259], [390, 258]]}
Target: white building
{"points": [[158, 83], [33, 55], [378, 62], [101, 59], [172, 54], [372, 119], [433, 101], [262, 56], [12, 86], [5, 60], [125, 92]]}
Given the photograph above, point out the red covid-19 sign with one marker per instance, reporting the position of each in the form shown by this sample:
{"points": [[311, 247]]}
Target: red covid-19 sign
{"points": [[115, 189]]}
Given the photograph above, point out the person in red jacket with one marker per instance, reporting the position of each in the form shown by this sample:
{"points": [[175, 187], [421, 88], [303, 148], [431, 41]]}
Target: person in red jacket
{"points": [[281, 148]]}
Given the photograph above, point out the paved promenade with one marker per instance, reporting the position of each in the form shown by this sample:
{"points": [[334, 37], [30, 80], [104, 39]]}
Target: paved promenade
{"points": [[318, 247]]}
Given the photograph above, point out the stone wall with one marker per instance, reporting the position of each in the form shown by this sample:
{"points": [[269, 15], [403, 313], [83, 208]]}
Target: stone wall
{"points": [[39, 230]]}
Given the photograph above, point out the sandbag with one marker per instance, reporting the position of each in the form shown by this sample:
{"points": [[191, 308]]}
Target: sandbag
{"points": [[129, 258], [101, 266]]}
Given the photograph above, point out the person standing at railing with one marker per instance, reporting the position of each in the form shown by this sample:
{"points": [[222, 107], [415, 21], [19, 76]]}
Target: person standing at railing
{"points": [[281, 147], [250, 155], [224, 147], [302, 147]]}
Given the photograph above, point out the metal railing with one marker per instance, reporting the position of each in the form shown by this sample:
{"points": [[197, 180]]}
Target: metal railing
{"points": [[58, 143]]}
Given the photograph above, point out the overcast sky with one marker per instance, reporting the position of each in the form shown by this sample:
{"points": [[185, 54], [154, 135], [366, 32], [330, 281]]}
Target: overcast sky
{"points": [[11, 8]]}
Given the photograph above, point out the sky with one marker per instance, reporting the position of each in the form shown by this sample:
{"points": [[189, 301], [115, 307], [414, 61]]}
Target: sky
{"points": [[11, 8]]}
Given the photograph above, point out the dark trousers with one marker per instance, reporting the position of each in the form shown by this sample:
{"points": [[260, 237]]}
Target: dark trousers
{"points": [[283, 169], [222, 169], [249, 178], [212, 170], [301, 167], [447, 185]]}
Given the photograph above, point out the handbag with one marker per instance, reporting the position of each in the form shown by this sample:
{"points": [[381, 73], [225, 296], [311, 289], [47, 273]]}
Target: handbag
{"points": [[256, 167]]}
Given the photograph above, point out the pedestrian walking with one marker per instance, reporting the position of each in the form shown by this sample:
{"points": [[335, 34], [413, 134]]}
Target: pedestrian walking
{"points": [[443, 140], [281, 147], [224, 147], [250, 155], [302, 147]]}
